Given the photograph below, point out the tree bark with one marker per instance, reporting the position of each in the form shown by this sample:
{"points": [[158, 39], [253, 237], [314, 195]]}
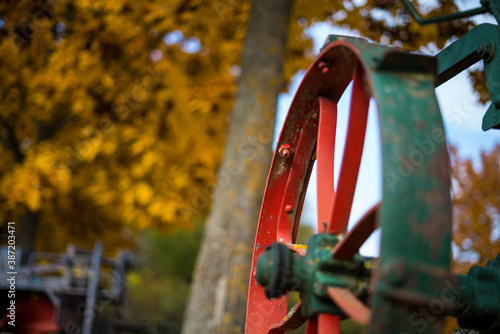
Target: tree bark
{"points": [[217, 302], [26, 228]]}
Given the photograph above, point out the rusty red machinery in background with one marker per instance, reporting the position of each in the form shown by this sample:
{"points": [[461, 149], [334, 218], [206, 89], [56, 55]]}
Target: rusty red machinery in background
{"points": [[409, 287], [61, 292]]}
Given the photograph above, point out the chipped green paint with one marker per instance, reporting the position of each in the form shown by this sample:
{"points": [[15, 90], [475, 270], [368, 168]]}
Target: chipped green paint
{"points": [[416, 209], [415, 214]]}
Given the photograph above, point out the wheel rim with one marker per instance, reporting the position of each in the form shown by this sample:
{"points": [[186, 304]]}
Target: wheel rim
{"points": [[286, 187]]}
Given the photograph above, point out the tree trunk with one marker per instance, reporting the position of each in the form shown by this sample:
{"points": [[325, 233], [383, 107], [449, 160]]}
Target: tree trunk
{"points": [[26, 228], [217, 303]]}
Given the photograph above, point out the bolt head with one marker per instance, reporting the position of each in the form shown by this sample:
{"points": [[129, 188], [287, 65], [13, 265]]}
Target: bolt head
{"points": [[486, 51], [285, 151], [288, 208], [325, 67]]}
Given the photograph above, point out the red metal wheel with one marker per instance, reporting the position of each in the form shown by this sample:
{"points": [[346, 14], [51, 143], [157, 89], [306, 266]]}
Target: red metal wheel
{"points": [[415, 213], [308, 135]]}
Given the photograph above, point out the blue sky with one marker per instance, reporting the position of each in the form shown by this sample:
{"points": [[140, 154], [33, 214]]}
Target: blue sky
{"points": [[462, 116]]}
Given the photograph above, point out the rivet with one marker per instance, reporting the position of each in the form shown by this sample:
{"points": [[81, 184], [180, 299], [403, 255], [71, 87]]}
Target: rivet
{"points": [[284, 150], [288, 208], [325, 67], [486, 51]]}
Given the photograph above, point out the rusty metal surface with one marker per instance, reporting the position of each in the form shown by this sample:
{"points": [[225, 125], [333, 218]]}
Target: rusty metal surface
{"points": [[289, 175], [415, 214], [293, 320]]}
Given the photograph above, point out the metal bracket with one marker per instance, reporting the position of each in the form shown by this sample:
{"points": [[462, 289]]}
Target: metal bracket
{"points": [[481, 43]]}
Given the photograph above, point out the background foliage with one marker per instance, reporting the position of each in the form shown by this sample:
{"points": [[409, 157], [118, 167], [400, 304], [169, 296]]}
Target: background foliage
{"points": [[106, 123], [159, 285]]}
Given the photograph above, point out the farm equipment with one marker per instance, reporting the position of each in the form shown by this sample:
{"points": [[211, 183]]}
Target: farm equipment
{"points": [[61, 293], [409, 287]]}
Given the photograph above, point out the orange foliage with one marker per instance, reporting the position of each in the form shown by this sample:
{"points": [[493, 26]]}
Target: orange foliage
{"points": [[113, 113], [476, 206]]}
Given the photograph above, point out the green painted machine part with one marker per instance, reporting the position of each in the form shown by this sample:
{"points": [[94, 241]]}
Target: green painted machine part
{"points": [[473, 298], [479, 298], [481, 43], [280, 269], [455, 16]]}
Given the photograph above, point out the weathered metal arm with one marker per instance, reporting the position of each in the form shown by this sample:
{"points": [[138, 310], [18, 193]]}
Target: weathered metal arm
{"points": [[482, 42], [450, 17]]}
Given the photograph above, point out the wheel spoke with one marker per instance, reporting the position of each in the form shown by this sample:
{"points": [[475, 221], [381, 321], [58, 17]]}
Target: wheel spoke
{"points": [[352, 156], [350, 304], [292, 321], [325, 159], [352, 241], [328, 324], [312, 326]]}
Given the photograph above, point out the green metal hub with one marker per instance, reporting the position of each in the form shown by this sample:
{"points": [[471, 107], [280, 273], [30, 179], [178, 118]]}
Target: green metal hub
{"points": [[279, 270], [275, 270]]}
